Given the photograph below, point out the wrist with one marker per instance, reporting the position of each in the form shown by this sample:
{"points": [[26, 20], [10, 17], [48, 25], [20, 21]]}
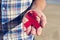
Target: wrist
{"points": [[36, 7], [39, 4]]}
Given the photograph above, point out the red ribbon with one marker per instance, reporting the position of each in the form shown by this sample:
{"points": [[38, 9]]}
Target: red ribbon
{"points": [[31, 16]]}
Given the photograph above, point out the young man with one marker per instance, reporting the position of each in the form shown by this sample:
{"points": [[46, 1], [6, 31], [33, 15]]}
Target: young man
{"points": [[11, 9]]}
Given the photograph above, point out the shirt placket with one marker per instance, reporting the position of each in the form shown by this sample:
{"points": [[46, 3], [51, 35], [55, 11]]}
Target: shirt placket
{"points": [[1, 31]]}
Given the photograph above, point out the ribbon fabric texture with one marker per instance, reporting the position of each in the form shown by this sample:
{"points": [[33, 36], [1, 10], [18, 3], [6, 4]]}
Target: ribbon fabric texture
{"points": [[32, 20]]}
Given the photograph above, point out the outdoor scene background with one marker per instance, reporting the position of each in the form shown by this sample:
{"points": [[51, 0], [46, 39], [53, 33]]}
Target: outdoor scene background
{"points": [[52, 29]]}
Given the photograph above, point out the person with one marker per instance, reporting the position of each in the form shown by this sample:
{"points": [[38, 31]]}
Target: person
{"points": [[12, 9]]}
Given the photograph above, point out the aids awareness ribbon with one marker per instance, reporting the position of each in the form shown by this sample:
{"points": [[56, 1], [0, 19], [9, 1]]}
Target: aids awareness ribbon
{"points": [[32, 20]]}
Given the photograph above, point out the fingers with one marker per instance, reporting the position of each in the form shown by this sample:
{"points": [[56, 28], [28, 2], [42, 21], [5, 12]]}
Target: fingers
{"points": [[24, 21], [24, 28], [33, 31], [38, 19], [28, 30], [43, 20], [36, 32], [39, 31]]}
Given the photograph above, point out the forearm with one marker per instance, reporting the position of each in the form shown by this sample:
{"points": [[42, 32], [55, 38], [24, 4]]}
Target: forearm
{"points": [[39, 4]]}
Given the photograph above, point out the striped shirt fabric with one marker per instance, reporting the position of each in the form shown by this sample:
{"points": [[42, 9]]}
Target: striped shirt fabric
{"points": [[10, 10]]}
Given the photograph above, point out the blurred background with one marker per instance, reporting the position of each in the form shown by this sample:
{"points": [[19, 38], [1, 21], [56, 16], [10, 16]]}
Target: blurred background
{"points": [[52, 29]]}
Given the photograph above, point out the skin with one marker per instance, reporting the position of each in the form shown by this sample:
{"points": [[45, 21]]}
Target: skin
{"points": [[38, 6]]}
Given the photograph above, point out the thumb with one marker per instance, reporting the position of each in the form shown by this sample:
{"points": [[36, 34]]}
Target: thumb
{"points": [[24, 20]]}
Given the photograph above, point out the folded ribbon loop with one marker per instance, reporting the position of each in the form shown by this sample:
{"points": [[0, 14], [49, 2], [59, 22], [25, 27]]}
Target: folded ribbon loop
{"points": [[32, 20]]}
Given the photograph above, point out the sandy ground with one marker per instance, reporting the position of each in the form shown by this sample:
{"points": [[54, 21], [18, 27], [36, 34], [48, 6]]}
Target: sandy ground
{"points": [[52, 29]]}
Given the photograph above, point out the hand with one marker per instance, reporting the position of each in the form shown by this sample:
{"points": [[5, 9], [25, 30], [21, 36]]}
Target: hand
{"points": [[40, 18]]}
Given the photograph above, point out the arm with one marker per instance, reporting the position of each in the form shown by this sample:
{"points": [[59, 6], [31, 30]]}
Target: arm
{"points": [[38, 7]]}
